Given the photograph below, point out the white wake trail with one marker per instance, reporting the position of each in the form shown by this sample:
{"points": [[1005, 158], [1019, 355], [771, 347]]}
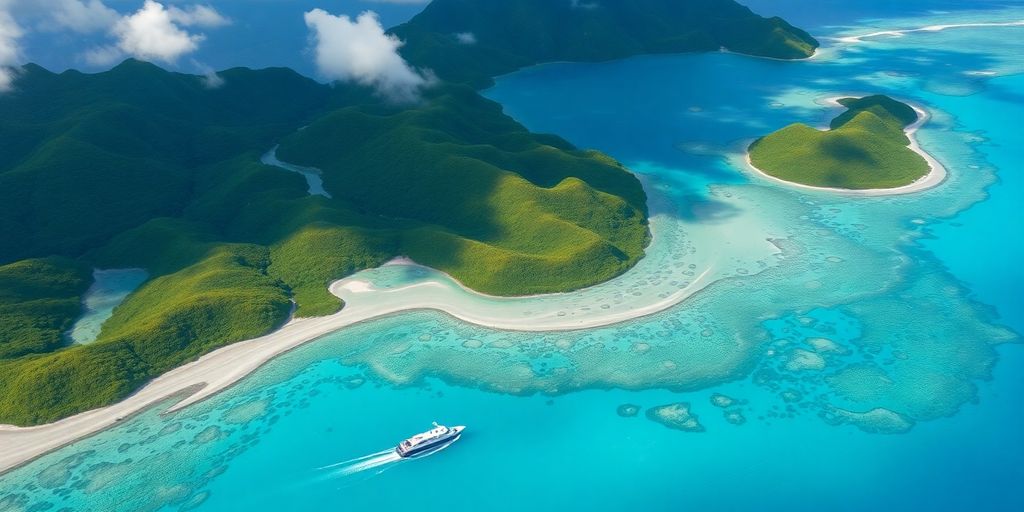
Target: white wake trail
{"points": [[381, 459], [368, 463], [357, 459]]}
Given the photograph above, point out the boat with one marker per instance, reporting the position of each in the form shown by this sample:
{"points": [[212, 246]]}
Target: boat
{"points": [[433, 439]]}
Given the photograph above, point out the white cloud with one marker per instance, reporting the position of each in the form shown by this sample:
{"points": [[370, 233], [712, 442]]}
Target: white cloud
{"points": [[10, 52], [151, 34], [360, 51], [86, 16], [211, 80], [466, 37], [155, 33], [103, 56], [82, 16], [198, 15]]}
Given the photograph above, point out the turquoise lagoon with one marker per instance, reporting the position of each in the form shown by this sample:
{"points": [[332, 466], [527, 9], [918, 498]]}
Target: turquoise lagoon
{"points": [[109, 288], [871, 359]]}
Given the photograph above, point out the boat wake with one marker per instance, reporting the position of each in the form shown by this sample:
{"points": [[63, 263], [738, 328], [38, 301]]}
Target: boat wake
{"points": [[380, 461], [355, 460], [365, 463]]}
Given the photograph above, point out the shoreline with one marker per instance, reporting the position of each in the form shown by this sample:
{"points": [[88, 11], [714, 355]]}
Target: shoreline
{"points": [[815, 55], [930, 28], [223, 368], [226, 366], [937, 172]]}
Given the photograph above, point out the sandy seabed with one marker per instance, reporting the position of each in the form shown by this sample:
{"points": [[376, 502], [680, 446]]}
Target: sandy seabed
{"points": [[677, 266]]}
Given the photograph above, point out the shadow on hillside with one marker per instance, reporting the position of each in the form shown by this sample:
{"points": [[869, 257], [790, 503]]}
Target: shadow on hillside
{"points": [[682, 115]]}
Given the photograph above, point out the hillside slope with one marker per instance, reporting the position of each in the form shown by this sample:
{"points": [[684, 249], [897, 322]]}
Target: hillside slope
{"points": [[140, 167], [865, 148], [472, 41]]}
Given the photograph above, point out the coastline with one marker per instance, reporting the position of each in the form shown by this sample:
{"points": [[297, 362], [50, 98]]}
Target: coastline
{"points": [[815, 55], [221, 369], [224, 367], [937, 172], [930, 28]]}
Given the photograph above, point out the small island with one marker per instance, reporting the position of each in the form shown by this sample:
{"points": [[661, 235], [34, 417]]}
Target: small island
{"points": [[868, 147], [141, 168]]}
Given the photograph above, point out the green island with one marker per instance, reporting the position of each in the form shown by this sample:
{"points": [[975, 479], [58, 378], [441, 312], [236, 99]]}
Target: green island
{"points": [[142, 167], [230, 242], [470, 41], [865, 147]]}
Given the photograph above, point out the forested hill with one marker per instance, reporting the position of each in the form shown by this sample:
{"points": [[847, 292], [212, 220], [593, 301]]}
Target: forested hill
{"points": [[865, 147], [87, 156], [141, 167], [472, 41]]}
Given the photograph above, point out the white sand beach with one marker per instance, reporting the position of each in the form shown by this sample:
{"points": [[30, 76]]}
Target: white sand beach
{"points": [[937, 173], [662, 279], [220, 369], [816, 54], [854, 39]]}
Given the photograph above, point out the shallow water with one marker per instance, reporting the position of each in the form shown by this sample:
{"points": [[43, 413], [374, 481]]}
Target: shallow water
{"points": [[109, 288], [313, 176], [866, 357]]}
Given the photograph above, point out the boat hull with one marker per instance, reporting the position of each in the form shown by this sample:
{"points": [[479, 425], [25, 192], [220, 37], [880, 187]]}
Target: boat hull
{"points": [[428, 447]]}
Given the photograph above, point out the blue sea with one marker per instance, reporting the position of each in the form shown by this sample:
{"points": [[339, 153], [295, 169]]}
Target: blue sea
{"points": [[872, 363]]}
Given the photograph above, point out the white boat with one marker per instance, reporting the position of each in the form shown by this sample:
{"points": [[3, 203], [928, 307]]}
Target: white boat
{"points": [[433, 439]]}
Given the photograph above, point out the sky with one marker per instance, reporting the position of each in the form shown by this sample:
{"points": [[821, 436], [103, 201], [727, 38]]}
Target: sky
{"points": [[331, 40], [184, 35], [326, 39]]}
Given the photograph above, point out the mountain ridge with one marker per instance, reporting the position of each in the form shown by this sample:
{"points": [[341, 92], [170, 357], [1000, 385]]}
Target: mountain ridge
{"points": [[473, 41]]}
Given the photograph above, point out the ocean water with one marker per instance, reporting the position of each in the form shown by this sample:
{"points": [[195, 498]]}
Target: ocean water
{"points": [[871, 360]]}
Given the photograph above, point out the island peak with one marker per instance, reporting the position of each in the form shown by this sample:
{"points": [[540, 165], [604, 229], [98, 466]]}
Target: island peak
{"points": [[866, 148]]}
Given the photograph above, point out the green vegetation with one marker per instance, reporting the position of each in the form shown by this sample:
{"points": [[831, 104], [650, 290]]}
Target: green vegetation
{"points": [[39, 299], [566, 219], [110, 173], [171, 320], [226, 296], [320, 253], [129, 145], [512, 34], [140, 167], [884, 107], [865, 148]]}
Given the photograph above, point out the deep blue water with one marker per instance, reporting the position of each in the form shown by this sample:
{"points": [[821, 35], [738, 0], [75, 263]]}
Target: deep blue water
{"points": [[672, 118], [266, 33]]}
